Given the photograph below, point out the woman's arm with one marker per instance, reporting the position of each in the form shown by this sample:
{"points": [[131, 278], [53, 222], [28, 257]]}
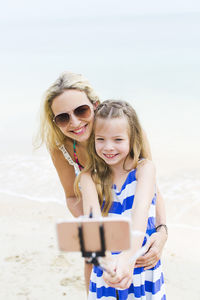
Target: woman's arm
{"points": [[160, 209], [67, 177], [158, 239]]}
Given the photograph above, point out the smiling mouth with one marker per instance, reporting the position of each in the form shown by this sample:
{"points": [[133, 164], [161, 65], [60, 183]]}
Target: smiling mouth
{"points": [[110, 155], [80, 130]]}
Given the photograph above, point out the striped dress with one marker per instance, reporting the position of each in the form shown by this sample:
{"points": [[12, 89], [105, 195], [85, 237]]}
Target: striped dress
{"points": [[146, 285]]}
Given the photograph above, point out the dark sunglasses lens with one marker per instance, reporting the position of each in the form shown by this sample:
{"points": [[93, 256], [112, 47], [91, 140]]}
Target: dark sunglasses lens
{"points": [[62, 119], [82, 111]]}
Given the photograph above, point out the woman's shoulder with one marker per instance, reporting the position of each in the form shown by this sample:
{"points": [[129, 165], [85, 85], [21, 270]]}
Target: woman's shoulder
{"points": [[61, 158], [55, 153], [62, 151]]}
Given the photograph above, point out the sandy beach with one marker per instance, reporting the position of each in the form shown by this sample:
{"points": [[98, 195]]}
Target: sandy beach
{"points": [[32, 267]]}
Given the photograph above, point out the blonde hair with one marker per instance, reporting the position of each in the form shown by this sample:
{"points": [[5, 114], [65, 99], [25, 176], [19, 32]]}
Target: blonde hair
{"points": [[101, 172], [49, 133]]}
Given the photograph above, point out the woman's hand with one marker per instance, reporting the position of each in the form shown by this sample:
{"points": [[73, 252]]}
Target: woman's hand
{"points": [[153, 254], [122, 275]]}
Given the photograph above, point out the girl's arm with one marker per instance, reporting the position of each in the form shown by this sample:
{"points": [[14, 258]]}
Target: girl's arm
{"points": [[144, 194], [67, 177], [89, 195]]}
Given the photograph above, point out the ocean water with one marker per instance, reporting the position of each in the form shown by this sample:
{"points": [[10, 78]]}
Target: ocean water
{"points": [[151, 61], [33, 177]]}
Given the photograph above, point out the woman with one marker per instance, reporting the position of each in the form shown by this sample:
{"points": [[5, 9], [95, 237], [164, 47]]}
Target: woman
{"points": [[67, 117]]}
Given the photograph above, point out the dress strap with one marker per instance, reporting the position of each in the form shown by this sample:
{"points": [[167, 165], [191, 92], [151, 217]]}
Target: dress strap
{"points": [[69, 159]]}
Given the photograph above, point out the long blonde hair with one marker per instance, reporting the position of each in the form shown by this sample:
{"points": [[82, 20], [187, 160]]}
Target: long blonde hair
{"points": [[101, 172], [48, 132]]}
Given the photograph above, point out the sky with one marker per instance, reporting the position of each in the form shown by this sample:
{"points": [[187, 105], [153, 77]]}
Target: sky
{"points": [[12, 10]]}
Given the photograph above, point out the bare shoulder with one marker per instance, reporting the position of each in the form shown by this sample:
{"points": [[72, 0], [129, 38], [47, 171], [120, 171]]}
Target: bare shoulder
{"points": [[145, 168], [65, 171], [87, 183], [59, 160], [85, 177], [56, 155]]}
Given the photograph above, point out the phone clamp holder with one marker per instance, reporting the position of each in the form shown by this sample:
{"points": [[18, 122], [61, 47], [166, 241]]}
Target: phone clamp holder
{"points": [[92, 256]]}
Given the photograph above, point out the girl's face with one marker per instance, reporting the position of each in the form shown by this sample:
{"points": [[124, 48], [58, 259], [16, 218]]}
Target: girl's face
{"points": [[112, 141], [74, 114]]}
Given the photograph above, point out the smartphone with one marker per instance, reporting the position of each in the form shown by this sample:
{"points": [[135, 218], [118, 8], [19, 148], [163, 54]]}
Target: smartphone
{"points": [[116, 234]]}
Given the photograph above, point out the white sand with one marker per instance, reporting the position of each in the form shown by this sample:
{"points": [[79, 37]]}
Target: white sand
{"points": [[32, 267]]}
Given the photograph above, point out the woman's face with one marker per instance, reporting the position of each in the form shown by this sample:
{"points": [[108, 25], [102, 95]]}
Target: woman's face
{"points": [[78, 127]]}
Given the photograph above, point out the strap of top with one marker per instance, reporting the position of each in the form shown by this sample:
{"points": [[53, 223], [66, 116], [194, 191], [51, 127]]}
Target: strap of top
{"points": [[69, 159], [76, 157]]}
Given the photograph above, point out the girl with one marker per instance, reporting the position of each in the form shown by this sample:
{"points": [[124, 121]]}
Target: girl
{"points": [[111, 183], [66, 122]]}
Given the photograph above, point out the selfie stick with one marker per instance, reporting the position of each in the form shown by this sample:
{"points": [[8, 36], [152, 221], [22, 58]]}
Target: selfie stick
{"points": [[92, 256]]}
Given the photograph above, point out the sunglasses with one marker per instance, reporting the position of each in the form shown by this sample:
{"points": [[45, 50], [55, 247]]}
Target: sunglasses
{"points": [[83, 112]]}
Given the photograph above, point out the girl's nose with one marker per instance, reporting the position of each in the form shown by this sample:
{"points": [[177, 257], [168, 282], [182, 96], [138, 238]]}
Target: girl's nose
{"points": [[108, 145]]}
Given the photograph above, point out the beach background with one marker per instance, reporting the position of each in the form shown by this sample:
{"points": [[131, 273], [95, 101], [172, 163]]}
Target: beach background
{"points": [[146, 53]]}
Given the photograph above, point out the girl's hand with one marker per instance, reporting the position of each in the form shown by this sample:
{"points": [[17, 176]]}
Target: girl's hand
{"points": [[108, 263], [153, 254], [122, 276]]}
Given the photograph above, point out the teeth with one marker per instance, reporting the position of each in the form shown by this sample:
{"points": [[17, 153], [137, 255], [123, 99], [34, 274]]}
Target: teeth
{"points": [[109, 155], [78, 130]]}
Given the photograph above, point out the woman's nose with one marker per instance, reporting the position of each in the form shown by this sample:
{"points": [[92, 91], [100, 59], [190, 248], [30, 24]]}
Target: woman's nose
{"points": [[74, 121]]}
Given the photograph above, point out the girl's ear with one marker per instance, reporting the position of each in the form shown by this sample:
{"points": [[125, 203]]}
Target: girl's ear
{"points": [[96, 104]]}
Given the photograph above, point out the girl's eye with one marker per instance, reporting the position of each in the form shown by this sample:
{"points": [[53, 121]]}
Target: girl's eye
{"points": [[99, 139], [118, 140]]}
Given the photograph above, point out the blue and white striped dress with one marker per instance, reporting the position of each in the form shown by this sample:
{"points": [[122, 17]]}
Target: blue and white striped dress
{"points": [[147, 285]]}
